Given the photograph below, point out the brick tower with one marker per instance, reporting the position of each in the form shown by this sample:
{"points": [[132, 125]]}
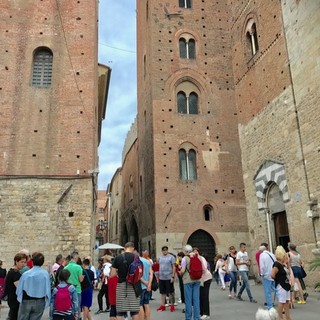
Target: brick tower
{"points": [[50, 120], [191, 188]]}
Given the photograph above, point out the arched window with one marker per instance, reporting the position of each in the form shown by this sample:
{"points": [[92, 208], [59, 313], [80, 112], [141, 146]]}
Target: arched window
{"points": [[185, 3], [187, 104], [251, 38], [187, 164], [207, 212], [42, 68], [187, 48]]}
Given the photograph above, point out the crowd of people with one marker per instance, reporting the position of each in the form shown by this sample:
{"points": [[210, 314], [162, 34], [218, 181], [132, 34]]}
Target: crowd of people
{"points": [[68, 286]]}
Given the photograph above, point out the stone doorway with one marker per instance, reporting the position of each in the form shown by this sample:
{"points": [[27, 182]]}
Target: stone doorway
{"points": [[206, 244], [280, 230]]}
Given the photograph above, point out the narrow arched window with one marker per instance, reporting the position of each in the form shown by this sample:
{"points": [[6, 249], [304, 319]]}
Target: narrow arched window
{"points": [[207, 212], [252, 45], [187, 48], [187, 164], [187, 104], [182, 48], [182, 102], [42, 68]]}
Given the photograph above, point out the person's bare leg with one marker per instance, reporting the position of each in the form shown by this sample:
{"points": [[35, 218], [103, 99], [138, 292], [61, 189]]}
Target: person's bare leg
{"points": [[146, 312], [286, 310], [141, 313], [280, 308]]}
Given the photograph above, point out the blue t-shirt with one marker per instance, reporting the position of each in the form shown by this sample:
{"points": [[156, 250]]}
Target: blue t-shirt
{"points": [[146, 271]]}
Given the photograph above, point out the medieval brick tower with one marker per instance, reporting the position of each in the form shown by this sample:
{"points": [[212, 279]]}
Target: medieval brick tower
{"points": [[50, 119], [190, 176]]}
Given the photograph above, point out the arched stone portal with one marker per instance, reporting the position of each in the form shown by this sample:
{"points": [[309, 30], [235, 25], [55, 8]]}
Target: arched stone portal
{"points": [[206, 244]]}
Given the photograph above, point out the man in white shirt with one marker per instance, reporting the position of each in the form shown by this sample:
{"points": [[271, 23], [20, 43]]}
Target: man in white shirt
{"points": [[266, 261], [243, 263]]}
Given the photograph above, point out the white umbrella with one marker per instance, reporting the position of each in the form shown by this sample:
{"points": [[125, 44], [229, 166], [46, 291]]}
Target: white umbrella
{"points": [[110, 246]]}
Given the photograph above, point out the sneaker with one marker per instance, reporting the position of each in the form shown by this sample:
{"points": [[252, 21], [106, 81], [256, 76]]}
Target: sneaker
{"points": [[239, 298], [172, 308], [161, 308], [98, 312], [179, 300], [175, 304], [305, 296], [230, 296], [183, 311], [253, 301], [204, 317], [301, 302], [166, 305], [107, 310]]}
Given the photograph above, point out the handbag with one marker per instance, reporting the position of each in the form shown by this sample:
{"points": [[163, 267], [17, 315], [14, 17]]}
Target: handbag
{"points": [[303, 273], [154, 284]]}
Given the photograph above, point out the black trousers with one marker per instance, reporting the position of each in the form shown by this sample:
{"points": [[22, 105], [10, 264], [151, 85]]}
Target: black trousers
{"points": [[181, 288], [204, 298], [103, 292]]}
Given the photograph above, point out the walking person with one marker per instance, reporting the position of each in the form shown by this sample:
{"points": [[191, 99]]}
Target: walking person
{"points": [[180, 256], [34, 290], [280, 273], [221, 269], [191, 287], [64, 304], [296, 263], [112, 288], [232, 270], [126, 299], [12, 281], [76, 276], [103, 292], [243, 263], [205, 283], [166, 278], [87, 289], [266, 262]]}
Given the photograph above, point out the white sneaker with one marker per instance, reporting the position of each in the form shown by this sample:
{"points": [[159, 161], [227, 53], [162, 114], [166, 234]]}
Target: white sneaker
{"points": [[167, 305], [179, 300], [205, 317]]}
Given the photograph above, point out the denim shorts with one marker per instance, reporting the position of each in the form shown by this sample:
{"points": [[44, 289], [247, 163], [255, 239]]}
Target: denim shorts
{"points": [[145, 297]]}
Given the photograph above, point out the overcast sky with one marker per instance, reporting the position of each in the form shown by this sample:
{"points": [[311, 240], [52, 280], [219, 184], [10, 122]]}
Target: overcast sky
{"points": [[117, 49]]}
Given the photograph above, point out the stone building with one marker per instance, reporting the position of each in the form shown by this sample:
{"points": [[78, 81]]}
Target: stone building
{"points": [[228, 106], [52, 103]]}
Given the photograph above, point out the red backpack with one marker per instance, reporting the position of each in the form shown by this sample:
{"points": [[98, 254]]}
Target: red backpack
{"points": [[3, 293], [195, 267], [63, 299], [135, 270]]}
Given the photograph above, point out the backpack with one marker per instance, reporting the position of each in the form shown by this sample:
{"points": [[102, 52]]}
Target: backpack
{"points": [[63, 299], [135, 270], [53, 280], [3, 292], [195, 267]]}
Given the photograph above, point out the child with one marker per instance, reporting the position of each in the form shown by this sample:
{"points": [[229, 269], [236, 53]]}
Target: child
{"points": [[64, 299]]}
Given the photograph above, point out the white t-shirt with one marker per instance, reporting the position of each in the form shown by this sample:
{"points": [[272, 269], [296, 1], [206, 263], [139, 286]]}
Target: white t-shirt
{"points": [[242, 257]]}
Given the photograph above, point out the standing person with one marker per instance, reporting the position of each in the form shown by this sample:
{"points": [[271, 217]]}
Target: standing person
{"points": [[12, 280], [34, 290], [166, 278], [57, 264], [232, 270], [103, 292], [243, 264], [125, 294], [205, 283], [221, 269], [266, 262], [76, 276], [296, 263], [3, 273], [59, 311], [258, 253], [280, 273], [145, 296], [180, 256], [94, 270], [112, 288], [191, 287], [87, 289]]}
